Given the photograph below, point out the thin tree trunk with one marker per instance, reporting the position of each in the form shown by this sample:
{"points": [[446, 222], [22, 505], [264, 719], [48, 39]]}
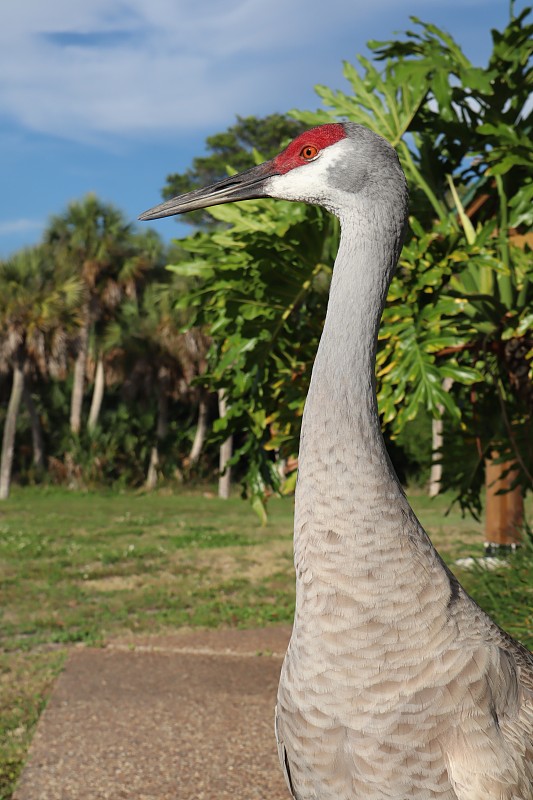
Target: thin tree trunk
{"points": [[437, 426], [98, 395], [151, 476], [76, 401], [201, 429], [435, 475], [161, 432], [226, 450], [10, 427], [36, 430]]}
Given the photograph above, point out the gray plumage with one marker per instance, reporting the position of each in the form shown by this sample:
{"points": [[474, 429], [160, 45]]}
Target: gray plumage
{"points": [[395, 685]]}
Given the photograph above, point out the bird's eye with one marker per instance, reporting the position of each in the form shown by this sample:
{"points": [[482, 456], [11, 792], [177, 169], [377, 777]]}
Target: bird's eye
{"points": [[309, 152]]}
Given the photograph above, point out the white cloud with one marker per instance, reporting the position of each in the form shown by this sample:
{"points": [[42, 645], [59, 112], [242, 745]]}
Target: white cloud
{"points": [[83, 69], [170, 65], [20, 226]]}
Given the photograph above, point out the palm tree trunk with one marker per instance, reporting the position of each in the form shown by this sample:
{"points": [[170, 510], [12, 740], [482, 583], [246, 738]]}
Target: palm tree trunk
{"points": [[151, 476], [161, 432], [98, 395], [435, 475], [201, 429], [36, 430], [437, 426], [10, 427], [226, 450], [76, 401]]}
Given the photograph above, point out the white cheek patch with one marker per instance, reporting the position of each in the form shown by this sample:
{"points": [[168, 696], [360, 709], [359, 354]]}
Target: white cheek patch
{"points": [[311, 181]]}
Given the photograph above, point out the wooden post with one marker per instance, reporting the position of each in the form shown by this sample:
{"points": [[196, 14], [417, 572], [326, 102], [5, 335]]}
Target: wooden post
{"points": [[504, 513]]}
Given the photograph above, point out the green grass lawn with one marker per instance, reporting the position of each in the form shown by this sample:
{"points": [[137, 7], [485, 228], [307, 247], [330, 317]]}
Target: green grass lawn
{"points": [[85, 568]]}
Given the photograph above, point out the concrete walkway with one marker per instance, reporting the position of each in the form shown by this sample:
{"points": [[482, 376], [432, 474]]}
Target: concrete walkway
{"points": [[163, 718]]}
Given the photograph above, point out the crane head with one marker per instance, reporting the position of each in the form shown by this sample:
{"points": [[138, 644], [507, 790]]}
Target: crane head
{"points": [[320, 166]]}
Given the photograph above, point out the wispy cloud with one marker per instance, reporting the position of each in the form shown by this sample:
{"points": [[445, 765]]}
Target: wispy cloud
{"points": [[15, 226], [137, 67]]}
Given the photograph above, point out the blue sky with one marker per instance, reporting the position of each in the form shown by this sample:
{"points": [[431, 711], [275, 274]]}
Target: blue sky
{"points": [[111, 95]]}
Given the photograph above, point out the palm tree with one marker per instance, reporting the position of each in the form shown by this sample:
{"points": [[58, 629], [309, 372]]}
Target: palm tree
{"points": [[186, 349], [147, 345], [145, 255], [39, 303], [93, 239]]}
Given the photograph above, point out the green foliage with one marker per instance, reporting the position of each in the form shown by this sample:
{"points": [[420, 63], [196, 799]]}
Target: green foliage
{"points": [[418, 325], [504, 593], [117, 452], [39, 302], [410, 451], [93, 241]]}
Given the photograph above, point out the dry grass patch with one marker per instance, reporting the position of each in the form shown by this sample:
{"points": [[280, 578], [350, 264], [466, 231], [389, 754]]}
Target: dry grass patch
{"points": [[251, 563]]}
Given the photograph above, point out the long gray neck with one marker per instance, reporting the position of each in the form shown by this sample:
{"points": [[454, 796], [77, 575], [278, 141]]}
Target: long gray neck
{"points": [[343, 464]]}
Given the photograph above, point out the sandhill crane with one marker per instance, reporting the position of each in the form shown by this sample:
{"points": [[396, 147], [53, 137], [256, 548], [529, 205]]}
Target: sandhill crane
{"points": [[395, 684]]}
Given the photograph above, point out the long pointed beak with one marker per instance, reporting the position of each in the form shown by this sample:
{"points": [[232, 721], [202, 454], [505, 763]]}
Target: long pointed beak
{"points": [[248, 185]]}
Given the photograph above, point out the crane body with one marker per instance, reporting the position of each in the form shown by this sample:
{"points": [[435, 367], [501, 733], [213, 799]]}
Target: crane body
{"points": [[395, 685]]}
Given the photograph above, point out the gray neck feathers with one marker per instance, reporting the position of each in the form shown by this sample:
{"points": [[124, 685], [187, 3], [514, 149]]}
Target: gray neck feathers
{"points": [[343, 464]]}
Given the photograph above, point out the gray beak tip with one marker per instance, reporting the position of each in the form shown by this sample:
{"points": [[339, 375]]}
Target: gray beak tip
{"points": [[156, 212], [247, 185]]}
